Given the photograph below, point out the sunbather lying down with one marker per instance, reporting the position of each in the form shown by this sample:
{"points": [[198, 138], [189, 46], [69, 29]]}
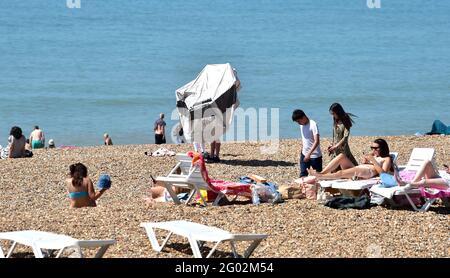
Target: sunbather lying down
{"points": [[373, 164], [427, 176]]}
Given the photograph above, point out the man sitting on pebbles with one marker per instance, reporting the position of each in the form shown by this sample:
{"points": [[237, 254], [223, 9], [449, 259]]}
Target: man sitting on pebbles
{"points": [[81, 189]]}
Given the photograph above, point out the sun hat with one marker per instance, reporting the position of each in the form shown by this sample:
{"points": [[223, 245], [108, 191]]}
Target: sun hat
{"points": [[51, 143]]}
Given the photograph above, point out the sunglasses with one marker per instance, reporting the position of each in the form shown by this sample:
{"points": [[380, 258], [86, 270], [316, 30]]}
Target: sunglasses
{"points": [[374, 148]]}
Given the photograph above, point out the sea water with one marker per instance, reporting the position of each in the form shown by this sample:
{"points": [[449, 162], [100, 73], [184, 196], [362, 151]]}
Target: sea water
{"points": [[113, 66]]}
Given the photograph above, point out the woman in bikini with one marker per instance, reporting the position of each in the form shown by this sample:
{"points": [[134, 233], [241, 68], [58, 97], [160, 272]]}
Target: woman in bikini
{"points": [[373, 164], [81, 189]]}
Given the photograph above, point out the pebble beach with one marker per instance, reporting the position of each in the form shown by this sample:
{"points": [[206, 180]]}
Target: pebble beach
{"points": [[33, 197]]}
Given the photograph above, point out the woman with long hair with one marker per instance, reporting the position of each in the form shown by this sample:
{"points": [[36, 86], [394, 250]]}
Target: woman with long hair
{"points": [[342, 122], [377, 162]]}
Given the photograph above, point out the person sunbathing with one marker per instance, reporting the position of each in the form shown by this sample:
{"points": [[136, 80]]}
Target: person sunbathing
{"points": [[80, 187], [427, 176], [377, 162], [159, 194]]}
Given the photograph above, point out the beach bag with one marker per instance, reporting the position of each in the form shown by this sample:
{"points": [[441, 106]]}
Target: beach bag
{"points": [[387, 180], [310, 191], [362, 202], [104, 182], [266, 193], [308, 186], [294, 191]]}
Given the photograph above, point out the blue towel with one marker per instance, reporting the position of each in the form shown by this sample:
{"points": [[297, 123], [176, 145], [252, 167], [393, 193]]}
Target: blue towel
{"points": [[387, 180], [104, 182], [245, 179], [439, 128]]}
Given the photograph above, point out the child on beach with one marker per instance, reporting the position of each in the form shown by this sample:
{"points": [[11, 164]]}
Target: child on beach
{"points": [[80, 187], [311, 155]]}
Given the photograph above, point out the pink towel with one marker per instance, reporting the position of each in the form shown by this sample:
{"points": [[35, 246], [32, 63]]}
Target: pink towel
{"points": [[434, 193], [407, 175], [232, 188]]}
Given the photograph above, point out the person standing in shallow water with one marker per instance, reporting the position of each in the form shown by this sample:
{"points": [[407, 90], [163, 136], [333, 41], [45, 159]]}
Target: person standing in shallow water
{"points": [[342, 122], [159, 128]]}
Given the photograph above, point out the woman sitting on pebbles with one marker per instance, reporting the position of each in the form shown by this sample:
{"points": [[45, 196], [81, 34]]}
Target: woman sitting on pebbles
{"points": [[81, 189], [379, 161]]}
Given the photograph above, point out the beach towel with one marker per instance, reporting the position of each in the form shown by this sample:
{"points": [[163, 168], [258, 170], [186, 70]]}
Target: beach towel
{"points": [[434, 193], [387, 180], [439, 127], [162, 152], [362, 202], [225, 187]]}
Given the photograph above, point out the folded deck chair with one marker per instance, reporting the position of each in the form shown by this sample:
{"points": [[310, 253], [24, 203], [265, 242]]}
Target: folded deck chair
{"points": [[417, 158], [355, 188], [199, 234], [38, 240], [190, 176]]}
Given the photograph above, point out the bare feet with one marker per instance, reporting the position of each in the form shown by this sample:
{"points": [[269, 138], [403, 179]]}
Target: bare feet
{"points": [[313, 172]]}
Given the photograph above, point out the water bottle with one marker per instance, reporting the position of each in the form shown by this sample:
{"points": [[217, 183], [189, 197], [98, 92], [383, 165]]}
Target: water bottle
{"points": [[255, 196]]}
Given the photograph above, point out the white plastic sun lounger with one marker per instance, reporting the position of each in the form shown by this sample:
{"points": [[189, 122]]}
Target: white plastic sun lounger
{"points": [[190, 177], [39, 240], [198, 234], [347, 187], [417, 158]]}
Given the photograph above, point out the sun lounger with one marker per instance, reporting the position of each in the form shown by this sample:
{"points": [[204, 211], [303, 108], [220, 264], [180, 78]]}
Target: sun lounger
{"points": [[190, 177], [198, 234], [354, 188], [39, 240], [416, 160]]}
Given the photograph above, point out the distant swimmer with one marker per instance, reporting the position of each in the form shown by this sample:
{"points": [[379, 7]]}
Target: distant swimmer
{"points": [[37, 138]]}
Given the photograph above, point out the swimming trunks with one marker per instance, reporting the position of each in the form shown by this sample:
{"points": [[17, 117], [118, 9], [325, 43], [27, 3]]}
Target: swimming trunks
{"points": [[37, 144]]}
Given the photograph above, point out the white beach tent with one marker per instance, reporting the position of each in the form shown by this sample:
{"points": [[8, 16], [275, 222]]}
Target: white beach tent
{"points": [[206, 104]]}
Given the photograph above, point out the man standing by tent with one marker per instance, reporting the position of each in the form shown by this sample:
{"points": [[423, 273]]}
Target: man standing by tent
{"points": [[160, 128]]}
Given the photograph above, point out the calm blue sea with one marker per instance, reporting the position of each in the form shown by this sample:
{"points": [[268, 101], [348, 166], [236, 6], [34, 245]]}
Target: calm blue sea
{"points": [[113, 66]]}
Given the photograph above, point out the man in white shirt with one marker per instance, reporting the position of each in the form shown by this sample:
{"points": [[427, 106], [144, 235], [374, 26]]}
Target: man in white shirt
{"points": [[311, 155]]}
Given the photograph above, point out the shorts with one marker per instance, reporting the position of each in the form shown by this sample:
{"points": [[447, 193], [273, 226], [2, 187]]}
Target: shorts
{"points": [[160, 139], [37, 144]]}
